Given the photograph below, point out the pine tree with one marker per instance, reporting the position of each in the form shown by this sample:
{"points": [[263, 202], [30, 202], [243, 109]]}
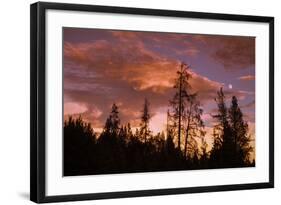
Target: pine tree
{"points": [[239, 130], [226, 153], [186, 111], [215, 153], [179, 100], [194, 123], [145, 118], [112, 124]]}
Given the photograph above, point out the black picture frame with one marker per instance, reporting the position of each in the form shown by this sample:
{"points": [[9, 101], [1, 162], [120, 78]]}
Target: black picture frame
{"points": [[38, 103]]}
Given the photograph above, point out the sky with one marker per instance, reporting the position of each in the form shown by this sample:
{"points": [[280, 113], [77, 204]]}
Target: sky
{"points": [[102, 67]]}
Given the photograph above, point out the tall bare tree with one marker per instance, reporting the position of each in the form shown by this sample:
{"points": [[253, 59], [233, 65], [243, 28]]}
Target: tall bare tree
{"points": [[179, 100]]}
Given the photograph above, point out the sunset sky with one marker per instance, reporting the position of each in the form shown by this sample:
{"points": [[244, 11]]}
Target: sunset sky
{"points": [[102, 67]]}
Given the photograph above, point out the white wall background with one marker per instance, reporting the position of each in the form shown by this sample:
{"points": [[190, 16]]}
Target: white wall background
{"points": [[14, 100]]}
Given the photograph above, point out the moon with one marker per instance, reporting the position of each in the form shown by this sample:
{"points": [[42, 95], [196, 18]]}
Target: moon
{"points": [[229, 86]]}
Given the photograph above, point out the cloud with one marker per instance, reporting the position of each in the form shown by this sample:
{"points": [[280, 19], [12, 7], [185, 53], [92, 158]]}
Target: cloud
{"points": [[249, 105], [236, 54], [190, 51], [122, 69], [99, 74], [233, 52], [158, 121], [71, 108], [247, 77], [206, 88], [180, 44], [240, 94]]}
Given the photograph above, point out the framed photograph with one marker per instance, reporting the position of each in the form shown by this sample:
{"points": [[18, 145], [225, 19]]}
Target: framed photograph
{"points": [[129, 102]]}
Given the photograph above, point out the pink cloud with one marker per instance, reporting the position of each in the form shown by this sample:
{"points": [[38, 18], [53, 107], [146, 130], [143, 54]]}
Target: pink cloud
{"points": [[247, 77], [71, 108]]}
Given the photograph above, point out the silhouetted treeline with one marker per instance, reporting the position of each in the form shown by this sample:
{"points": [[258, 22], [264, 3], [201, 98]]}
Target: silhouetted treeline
{"points": [[231, 147], [181, 147]]}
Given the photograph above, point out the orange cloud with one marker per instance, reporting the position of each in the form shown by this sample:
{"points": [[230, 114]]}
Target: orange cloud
{"points": [[247, 77]]}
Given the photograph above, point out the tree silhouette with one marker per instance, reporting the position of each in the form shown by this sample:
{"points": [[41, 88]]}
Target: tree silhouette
{"points": [[113, 122], [180, 99], [194, 124], [186, 113], [239, 130], [231, 147], [226, 153], [145, 118], [79, 141]]}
